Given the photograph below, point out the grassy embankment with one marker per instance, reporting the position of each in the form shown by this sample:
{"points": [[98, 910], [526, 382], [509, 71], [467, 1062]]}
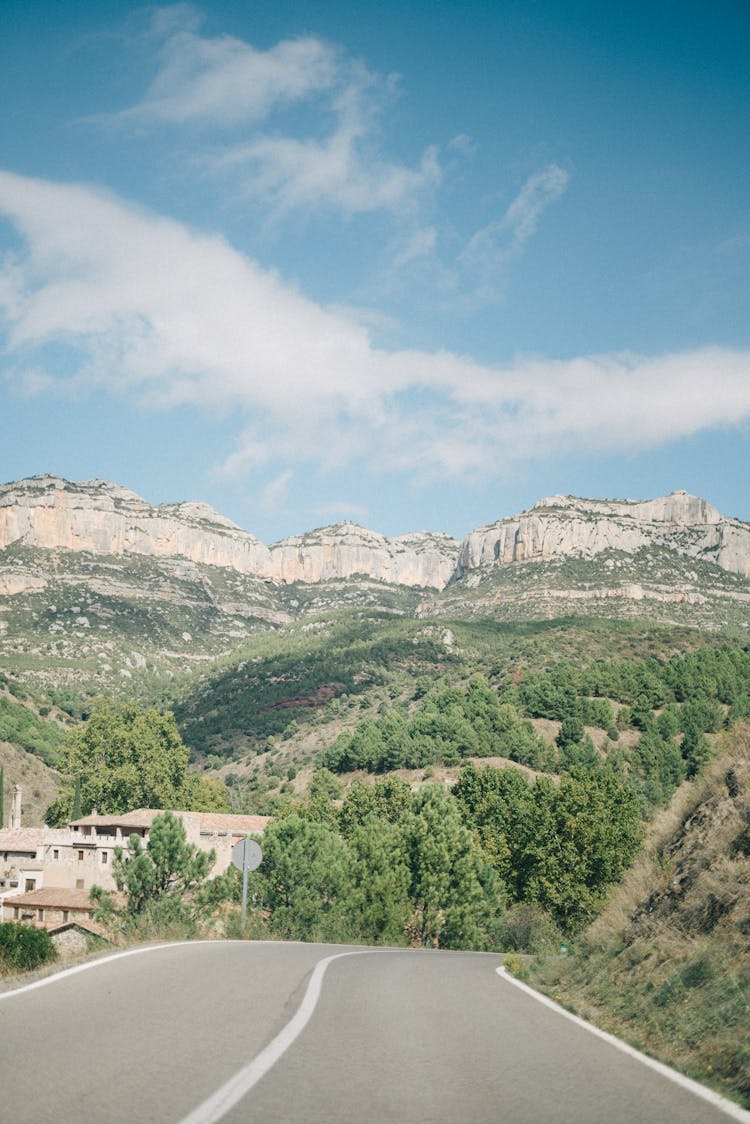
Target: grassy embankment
{"points": [[666, 966]]}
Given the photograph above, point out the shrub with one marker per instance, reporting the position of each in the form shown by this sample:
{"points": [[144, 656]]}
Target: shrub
{"points": [[23, 947], [527, 928], [516, 965]]}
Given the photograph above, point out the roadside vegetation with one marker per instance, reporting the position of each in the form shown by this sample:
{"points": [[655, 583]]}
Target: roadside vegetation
{"points": [[24, 948], [437, 869], [666, 965]]}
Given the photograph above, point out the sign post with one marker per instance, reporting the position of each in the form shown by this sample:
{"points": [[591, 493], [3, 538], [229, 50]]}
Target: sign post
{"points": [[246, 856]]}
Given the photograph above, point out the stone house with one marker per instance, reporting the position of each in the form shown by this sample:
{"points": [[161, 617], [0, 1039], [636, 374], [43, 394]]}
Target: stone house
{"points": [[67, 915], [80, 855], [50, 907]]}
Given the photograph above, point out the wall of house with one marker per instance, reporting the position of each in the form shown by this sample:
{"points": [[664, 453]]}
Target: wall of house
{"points": [[79, 867], [71, 942], [47, 915]]}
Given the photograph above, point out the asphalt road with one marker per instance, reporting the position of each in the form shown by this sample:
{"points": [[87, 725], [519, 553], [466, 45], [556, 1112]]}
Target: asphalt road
{"points": [[395, 1035]]}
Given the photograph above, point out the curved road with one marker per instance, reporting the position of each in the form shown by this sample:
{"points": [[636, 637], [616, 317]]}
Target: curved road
{"points": [[395, 1035]]}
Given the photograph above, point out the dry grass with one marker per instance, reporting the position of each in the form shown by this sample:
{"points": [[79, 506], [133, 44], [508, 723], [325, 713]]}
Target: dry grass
{"points": [[667, 964]]}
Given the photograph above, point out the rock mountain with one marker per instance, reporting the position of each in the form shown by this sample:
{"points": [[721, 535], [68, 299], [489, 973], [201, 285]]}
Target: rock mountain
{"points": [[565, 526], [99, 518], [104, 519], [101, 591]]}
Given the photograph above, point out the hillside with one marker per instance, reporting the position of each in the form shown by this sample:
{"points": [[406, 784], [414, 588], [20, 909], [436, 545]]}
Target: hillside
{"points": [[667, 965], [102, 593], [269, 653], [262, 723], [38, 783], [30, 735]]}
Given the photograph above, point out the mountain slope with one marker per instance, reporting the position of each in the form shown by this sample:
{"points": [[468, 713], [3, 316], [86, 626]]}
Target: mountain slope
{"points": [[667, 965], [102, 593], [104, 519]]}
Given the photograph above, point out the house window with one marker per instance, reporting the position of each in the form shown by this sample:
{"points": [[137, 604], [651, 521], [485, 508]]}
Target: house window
{"points": [[66, 914], [80, 856], [79, 883], [29, 885], [105, 856], [55, 854], [41, 915]]}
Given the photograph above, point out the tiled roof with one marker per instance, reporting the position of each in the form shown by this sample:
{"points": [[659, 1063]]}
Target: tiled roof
{"points": [[84, 923], [141, 817], [238, 825], [21, 838], [52, 897], [207, 821]]}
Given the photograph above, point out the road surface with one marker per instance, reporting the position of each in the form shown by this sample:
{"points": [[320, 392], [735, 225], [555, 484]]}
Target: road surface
{"points": [[385, 1035]]}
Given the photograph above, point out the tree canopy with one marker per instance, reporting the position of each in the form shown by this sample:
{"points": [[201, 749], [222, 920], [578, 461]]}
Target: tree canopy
{"points": [[125, 757]]}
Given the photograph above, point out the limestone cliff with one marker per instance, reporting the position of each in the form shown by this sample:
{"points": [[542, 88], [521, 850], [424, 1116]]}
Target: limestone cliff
{"points": [[564, 526], [346, 549], [105, 519]]}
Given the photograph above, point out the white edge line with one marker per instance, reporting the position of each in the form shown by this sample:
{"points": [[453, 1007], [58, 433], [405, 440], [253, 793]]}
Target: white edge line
{"points": [[729, 1107], [226, 1097], [92, 964], [65, 972]]}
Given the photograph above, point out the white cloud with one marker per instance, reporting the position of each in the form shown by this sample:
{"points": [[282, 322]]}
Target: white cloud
{"points": [[491, 250], [274, 495], [285, 173], [142, 306], [226, 82], [421, 243]]}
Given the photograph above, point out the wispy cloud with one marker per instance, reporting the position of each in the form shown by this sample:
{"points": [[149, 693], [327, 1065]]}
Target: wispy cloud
{"points": [[302, 127], [275, 494], [225, 81], [336, 159], [478, 273], [491, 250], [144, 307]]}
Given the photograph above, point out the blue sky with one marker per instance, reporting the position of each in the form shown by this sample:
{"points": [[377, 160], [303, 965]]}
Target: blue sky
{"points": [[415, 265]]}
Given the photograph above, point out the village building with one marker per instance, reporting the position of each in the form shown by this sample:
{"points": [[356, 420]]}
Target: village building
{"points": [[67, 915], [79, 856]]}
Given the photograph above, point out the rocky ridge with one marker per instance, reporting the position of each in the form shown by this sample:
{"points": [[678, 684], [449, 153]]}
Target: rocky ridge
{"points": [[565, 526], [100, 592], [105, 519]]}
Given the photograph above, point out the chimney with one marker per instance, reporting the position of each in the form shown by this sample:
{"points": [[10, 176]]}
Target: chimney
{"points": [[15, 808]]}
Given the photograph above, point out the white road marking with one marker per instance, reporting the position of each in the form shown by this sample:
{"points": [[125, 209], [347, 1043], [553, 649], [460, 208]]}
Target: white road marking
{"points": [[64, 972], [225, 1098], [93, 964], [715, 1099]]}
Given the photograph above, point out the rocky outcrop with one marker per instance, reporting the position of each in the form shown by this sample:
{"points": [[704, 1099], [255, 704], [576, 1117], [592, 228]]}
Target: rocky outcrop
{"points": [[105, 519], [564, 526], [346, 550]]}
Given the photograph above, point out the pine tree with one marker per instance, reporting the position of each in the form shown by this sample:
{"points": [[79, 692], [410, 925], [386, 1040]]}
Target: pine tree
{"points": [[168, 867], [454, 892]]}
